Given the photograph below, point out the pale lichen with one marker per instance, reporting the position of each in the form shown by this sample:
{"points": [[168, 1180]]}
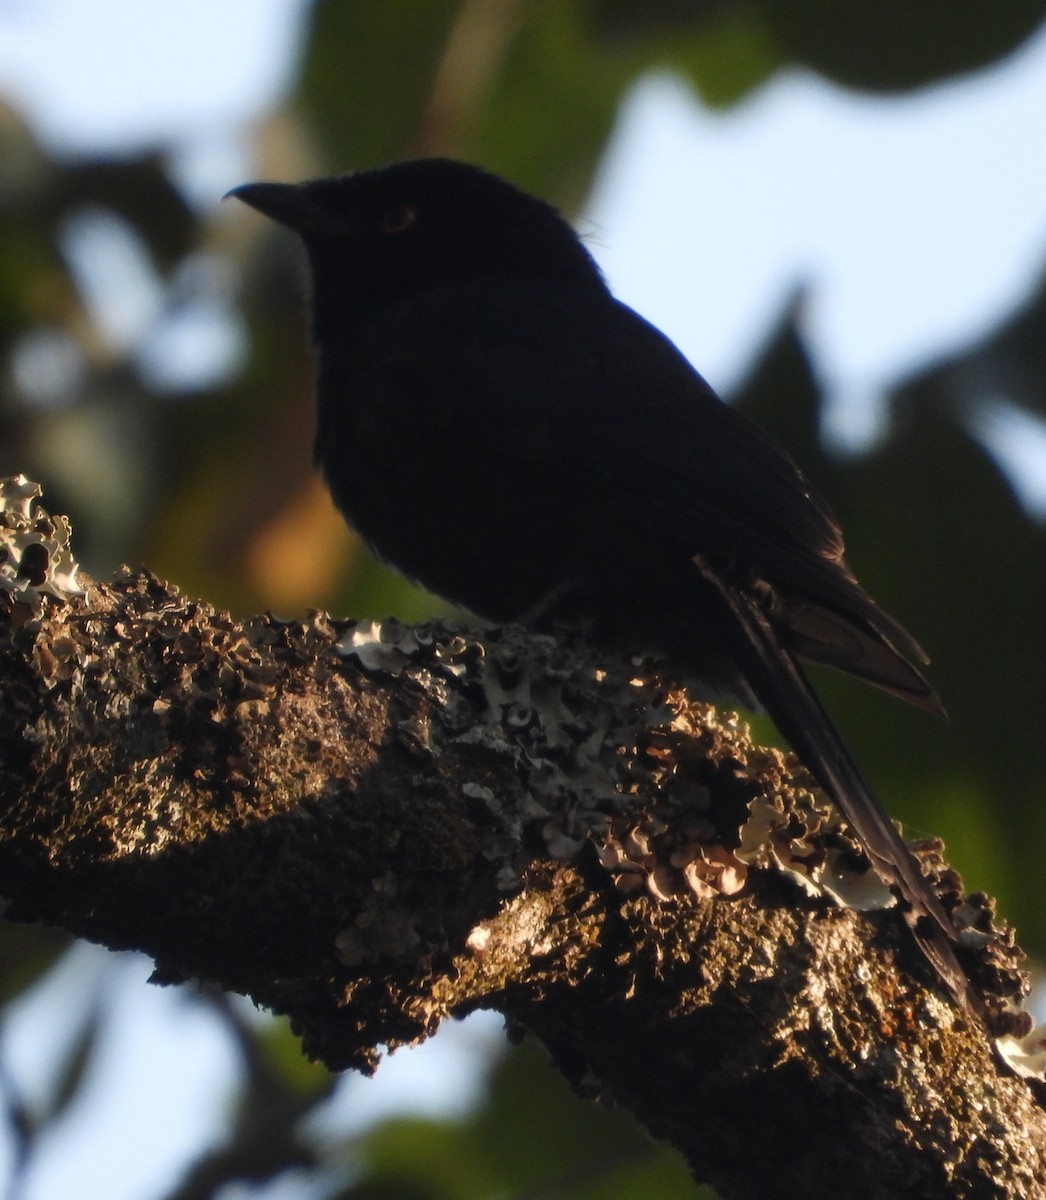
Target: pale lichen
{"points": [[588, 741], [35, 558]]}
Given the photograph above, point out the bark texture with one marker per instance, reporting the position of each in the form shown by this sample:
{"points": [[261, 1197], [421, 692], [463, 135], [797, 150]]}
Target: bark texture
{"points": [[374, 828]]}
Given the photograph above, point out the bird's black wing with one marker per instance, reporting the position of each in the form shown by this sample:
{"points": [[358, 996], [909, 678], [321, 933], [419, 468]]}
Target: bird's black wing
{"points": [[578, 395], [731, 489]]}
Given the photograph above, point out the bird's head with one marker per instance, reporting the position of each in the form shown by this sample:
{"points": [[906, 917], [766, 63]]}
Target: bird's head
{"points": [[373, 235]]}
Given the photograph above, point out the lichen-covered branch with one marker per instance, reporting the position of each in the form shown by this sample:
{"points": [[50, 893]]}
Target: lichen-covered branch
{"points": [[373, 828]]}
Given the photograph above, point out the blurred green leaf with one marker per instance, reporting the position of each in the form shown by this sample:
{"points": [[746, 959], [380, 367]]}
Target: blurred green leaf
{"points": [[27, 953], [77, 1064], [367, 76], [890, 45], [723, 49], [281, 1049], [532, 1138]]}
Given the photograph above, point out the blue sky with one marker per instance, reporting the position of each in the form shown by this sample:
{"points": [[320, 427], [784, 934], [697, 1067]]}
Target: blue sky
{"points": [[914, 222]]}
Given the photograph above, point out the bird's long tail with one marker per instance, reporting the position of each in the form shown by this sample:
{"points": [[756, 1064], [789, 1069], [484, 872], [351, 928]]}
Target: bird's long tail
{"points": [[778, 680]]}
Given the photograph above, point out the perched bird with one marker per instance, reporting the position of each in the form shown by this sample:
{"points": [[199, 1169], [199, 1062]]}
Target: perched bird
{"points": [[500, 428]]}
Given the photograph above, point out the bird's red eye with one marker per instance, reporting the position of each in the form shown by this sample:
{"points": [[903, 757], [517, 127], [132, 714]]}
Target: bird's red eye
{"points": [[398, 217]]}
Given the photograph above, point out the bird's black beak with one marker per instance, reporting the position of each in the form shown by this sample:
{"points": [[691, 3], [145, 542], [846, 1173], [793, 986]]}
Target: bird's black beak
{"points": [[291, 205]]}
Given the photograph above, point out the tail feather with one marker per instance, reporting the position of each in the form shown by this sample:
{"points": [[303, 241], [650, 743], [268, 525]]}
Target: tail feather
{"points": [[778, 681]]}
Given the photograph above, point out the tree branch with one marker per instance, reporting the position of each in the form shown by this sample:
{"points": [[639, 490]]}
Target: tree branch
{"points": [[373, 828]]}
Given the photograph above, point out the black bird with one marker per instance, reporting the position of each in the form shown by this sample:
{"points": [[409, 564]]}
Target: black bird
{"points": [[502, 430]]}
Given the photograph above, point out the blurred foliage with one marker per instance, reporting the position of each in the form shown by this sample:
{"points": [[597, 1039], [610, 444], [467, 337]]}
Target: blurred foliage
{"points": [[210, 483], [532, 1137]]}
